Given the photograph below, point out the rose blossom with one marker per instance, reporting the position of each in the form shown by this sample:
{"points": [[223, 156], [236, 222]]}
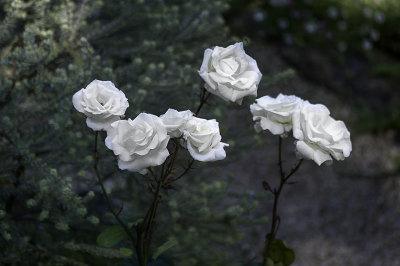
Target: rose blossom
{"points": [[139, 143], [203, 140], [230, 73], [275, 114], [320, 137], [101, 102], [175, 121]]}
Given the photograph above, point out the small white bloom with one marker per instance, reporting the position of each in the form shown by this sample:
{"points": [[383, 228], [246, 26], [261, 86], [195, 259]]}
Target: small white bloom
{"points": [[379, 17], [139, 143], [367, 12], [283, 23], [259, 16], [275, 114], [203, 140], [374, 35], [366, 45], [320, 137], [102, 103], [175, 121], [311, 27], [333, 12], [230, 73]]}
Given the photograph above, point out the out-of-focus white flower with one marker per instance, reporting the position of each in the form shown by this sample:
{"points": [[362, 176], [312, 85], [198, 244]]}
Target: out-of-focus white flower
{"points": [[230, 73], [367, 12], [275, 114], [379, 17], [175, 121], [366, 45], [101, 102], [259, 16], [311, 27], [138, 143], [203, 140], [283, 23], [374, 35], [319, 136], [332, 12]]}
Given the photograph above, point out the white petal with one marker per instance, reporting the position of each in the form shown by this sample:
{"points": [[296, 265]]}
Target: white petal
{"points": [[77, 101], [101, 124], [308, 152], [274, 128]]}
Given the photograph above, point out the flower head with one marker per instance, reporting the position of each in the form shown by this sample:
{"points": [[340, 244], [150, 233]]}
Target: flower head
{"points": [[230, 73], [319, 136], [139, 143], [275, 114], [203, 140], [101, 102], [175, 121]]}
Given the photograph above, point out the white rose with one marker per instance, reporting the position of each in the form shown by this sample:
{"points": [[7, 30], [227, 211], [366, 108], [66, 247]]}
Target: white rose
{"points": [[102, 103], [175, 121], [203, 140], [230, 73], [320, 137], [139, 143], [275, 114]]}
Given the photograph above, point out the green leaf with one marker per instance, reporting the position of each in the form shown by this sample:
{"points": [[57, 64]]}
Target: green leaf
{"points": [[279, 252], [289, 256], [270, 262], [164, 247], [111, 236], [126, 251]]}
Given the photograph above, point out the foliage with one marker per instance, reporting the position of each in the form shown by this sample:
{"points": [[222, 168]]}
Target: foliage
{"points": [[50, 208], [341, 25]]}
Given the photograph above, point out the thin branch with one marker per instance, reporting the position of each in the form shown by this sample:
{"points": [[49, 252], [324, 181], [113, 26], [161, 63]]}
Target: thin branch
{"points": [[188, 168], [280, 159], [115, 214], [204, 95], [270, 237]]}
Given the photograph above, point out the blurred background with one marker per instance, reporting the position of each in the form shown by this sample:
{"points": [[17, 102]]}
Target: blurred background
{"points": [[341, 53]]}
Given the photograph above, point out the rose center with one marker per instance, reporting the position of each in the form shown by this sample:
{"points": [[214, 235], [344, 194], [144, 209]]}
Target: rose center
{"points": [[229, 65]]}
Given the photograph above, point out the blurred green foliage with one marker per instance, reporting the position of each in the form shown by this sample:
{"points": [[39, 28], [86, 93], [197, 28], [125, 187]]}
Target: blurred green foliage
{"points": [[342, 25]]}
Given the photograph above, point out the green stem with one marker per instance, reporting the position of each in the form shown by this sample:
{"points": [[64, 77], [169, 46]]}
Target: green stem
{"points": [[96, 169], [269, 238]]}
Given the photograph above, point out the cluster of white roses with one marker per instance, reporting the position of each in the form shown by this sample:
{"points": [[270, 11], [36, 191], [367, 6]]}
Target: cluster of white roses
{"points": [[230, 74], [142, 142], [318, 136]]}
